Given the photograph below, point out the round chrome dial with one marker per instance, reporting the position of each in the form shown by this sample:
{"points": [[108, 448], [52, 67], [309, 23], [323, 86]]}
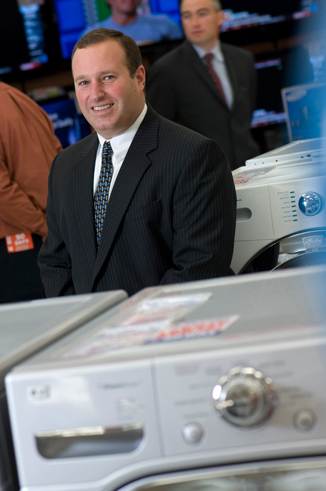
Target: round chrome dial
{"points": [[245, 397], [310, 204]]}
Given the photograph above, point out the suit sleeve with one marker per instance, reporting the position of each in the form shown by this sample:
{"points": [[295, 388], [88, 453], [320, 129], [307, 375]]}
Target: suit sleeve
{"points": [[160, 92], [204, 217], [54, 258]]}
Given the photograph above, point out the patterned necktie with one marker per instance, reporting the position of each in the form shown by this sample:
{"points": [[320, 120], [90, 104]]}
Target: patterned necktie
{"points": [[208, 60], [102, 192]]}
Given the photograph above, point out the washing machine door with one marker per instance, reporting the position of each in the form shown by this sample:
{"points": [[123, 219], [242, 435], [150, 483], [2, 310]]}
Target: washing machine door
{"points": [[307, 248], [303, 249], [283, 475]]}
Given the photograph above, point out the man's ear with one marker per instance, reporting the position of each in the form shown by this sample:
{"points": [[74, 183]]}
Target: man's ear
{"points": [[140, 76], [220, 18]]}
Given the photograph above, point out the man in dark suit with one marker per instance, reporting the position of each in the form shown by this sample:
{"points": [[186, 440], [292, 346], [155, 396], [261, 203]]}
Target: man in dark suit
{"points": [[181, 88], [170, 216]]}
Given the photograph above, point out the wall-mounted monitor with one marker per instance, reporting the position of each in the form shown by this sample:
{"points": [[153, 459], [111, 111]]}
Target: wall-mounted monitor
{"points": [[260, 20], [286, 68], [240, 15], [305, 109], [269, 108], [69, 125], [76, 16], [24, 38]]}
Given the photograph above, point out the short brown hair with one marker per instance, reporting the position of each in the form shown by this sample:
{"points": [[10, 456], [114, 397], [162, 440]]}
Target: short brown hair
{"points": [[129, 46], [216, 3]]}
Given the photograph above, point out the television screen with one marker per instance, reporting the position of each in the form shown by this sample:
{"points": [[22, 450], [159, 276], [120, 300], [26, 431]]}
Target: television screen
{"points": [[289, 67], [305, 107], [158, 20], [239, 14], [69, 125], [23, 37], [269, 83]]}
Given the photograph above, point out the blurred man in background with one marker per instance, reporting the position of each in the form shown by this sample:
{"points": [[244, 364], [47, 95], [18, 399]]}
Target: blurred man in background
{"points": [[207, 85], [143, 28], [27, 147]]}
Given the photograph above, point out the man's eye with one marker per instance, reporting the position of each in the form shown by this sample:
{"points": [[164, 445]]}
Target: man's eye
{"points": [[83, 82], [108, 77]]}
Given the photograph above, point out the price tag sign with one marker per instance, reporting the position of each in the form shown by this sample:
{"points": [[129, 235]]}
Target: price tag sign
{"points": [[19, 242]]}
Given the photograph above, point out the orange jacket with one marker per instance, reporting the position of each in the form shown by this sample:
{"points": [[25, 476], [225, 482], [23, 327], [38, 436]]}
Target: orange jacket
{"points": [[27, 147]]}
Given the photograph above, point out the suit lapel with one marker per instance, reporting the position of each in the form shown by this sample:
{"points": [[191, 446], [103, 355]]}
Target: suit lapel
{"points": [[83, 176], [135, 164], [198, 66]]}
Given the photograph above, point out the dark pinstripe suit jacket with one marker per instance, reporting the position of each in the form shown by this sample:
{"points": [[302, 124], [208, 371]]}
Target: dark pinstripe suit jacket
{"points": [[170, 218]]}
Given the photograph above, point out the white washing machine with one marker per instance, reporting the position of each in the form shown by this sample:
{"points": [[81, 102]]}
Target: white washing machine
{"points": [[27, 327], [210, 385], [281, 209]]}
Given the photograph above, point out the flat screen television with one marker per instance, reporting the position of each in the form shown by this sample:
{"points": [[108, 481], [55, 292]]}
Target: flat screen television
{"points": [[245, 22], [286, 68], [240, 15], [265, 20], [305, 109], [69, 125], [24, 38], [73, 16]]}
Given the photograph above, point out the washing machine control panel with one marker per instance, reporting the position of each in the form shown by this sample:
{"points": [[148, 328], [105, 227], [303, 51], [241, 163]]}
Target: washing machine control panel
{"points": [[227, 401], [245, 397], [310, 203]]}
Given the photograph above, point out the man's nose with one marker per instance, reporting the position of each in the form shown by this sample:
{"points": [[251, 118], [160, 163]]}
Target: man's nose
{"points": [[97, 90], [194, 20]]}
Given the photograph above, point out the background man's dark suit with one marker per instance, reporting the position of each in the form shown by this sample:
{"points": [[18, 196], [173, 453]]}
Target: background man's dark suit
{"points": [[170, 218], [180, 88]]}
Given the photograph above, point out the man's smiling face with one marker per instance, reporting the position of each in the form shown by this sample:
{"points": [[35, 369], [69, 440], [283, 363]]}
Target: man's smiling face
{"points": [[109, 98]]}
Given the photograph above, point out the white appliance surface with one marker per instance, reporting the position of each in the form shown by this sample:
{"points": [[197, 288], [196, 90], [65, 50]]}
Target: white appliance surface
{"points": [[298, 151], [273, 204], [25, 328], [183, 377]]}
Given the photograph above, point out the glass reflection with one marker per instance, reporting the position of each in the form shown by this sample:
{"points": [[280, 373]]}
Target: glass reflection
{"points": [[254, 480]]}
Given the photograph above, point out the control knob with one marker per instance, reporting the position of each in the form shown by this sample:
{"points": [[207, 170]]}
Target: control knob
{"points": [[245, 397], [310, 204]]}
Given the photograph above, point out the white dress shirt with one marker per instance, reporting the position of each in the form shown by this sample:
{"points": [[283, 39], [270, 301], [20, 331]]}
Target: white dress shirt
{"points": [[220, 68], [120, 145]]}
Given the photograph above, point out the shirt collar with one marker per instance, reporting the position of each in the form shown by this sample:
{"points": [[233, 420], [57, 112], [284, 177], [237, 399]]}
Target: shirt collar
{"points": [[216, 50], [121, 143]]}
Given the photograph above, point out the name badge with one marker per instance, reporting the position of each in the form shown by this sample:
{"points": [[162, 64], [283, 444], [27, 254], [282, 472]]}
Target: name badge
{"points": [[19, 242]]}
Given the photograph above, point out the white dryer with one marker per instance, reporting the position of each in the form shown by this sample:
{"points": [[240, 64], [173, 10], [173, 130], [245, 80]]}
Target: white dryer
{"points": [[27, 327], [281, 209], [209, 385]]}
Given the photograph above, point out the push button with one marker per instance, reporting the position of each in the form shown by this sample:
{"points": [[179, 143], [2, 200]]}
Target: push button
{"points": [[304, 420], [192, 433]]}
